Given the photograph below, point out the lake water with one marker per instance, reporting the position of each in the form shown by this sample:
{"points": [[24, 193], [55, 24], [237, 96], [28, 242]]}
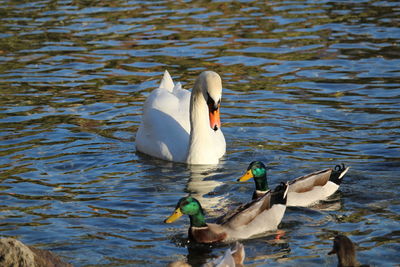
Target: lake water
{"points": [[307, 85]]}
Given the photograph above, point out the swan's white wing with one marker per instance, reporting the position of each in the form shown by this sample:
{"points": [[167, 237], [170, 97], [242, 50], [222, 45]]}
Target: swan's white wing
{"points": [[165, 127], [167, 83], [182, 114]]}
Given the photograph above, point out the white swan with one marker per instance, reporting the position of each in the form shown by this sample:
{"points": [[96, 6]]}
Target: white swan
{"points": [[181, 126]]}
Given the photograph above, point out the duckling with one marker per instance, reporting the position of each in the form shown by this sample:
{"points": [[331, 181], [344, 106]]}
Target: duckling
{"points": [[305, 190], [256, 217], [345, 251]]}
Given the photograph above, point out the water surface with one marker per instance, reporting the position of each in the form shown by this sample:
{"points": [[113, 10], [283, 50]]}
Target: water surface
{"points": [[307, 85]]}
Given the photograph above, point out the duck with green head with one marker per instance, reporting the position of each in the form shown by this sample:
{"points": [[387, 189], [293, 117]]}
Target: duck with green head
{"points": [[258, 172], [256, 217], [303, 191]]}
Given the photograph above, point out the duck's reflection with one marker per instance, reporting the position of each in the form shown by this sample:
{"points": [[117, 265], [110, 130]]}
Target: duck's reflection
{"points": [[198, 254], [333, 203]]}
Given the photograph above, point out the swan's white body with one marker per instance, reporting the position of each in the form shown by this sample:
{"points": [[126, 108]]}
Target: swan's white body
{"points": [[176, 123]]}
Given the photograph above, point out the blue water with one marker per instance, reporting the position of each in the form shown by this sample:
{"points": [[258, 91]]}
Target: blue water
{"points": [[307, 85]]}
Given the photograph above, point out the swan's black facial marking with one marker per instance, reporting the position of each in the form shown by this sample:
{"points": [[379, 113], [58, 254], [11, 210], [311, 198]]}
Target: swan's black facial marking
{"points": [[213, 109], [211, 103]]}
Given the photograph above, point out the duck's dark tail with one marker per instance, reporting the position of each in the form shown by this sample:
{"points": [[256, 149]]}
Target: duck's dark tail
{"points": [[279, 195], [337, 173]]}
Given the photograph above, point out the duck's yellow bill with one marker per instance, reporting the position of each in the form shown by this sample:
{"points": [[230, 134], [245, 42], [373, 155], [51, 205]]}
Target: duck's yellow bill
{"points": [[248, 175], [175, 216]]}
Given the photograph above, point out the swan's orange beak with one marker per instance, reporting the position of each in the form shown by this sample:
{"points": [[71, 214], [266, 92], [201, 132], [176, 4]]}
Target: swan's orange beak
{"points": [[215, 121]]}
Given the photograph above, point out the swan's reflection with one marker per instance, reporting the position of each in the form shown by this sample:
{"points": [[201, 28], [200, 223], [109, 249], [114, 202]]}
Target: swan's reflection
{"points": [[202, 184]]}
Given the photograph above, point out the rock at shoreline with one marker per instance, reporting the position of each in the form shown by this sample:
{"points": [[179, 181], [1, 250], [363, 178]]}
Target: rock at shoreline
{"points": [[14, 253]]}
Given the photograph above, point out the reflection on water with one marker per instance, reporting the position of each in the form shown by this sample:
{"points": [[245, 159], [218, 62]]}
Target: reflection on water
{"points": [[307, 85], [202, 188]]}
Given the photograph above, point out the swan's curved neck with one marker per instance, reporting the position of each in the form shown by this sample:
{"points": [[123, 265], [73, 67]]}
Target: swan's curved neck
{"points": [[206, 145], [200, 132], [199, 120]]}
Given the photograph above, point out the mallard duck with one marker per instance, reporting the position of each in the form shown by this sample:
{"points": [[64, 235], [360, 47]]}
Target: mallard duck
{"points": [[346, 252], [303, 191], [256, 217], [181, 126]]}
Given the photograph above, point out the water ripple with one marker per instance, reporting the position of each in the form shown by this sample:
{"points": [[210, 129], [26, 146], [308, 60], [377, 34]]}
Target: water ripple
{"points": [[307, 85]]}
